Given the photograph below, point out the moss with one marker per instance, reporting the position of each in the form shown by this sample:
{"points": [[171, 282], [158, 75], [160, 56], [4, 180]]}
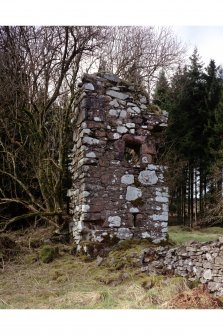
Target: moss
{"points": [[48, 253], [30, 259], [109, 240], [152, 281], [193, 284], [137, 202], [133, 243], [154, 109], [126, 254]]}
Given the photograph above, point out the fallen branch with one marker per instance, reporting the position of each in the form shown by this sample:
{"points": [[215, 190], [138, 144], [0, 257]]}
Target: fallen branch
{"points": [[30, 215]]}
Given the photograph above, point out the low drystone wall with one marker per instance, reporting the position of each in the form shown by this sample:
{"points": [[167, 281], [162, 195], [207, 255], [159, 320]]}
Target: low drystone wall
{"points": [[196, 261]]}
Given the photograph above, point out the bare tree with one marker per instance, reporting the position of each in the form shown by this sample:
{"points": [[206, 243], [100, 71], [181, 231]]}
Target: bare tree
{"points": [[139, 53], [39, 70]]}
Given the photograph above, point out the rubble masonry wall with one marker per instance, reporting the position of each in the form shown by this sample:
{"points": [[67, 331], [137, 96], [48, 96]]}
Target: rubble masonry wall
{"points": [[118, 189], [196, 261]]}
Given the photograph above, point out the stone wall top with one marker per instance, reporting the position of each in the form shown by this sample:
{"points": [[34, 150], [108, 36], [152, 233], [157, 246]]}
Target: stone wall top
{"points": [[120, 93]]}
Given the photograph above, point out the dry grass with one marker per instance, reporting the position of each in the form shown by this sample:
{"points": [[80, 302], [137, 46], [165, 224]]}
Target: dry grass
{"points": [[68, 282], [198, 298], [71, 282]]}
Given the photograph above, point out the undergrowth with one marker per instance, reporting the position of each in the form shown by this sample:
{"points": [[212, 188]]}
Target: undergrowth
{"points": [[69, 281]]}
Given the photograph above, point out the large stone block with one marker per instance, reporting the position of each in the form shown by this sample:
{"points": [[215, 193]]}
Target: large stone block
{"points": [[148, 177], [133, 193], [118, 95]]}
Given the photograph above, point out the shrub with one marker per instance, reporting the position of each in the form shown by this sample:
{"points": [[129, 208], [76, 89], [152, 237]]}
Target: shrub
{"points": [[48, 253]]}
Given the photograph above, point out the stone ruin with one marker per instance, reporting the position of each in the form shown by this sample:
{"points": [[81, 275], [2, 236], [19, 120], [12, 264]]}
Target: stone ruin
{"points": [[118, 189]]}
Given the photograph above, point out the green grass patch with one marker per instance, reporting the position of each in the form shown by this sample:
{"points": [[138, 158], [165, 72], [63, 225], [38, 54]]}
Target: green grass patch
{"points": [[181, 235]]}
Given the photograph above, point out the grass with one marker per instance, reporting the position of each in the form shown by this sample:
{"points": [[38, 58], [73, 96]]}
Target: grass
{"points": [[180, 235], [72, 282]]}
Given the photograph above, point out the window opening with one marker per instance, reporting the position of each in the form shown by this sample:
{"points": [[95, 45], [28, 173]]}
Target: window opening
{"points": [[132, 153], [134, 219]]}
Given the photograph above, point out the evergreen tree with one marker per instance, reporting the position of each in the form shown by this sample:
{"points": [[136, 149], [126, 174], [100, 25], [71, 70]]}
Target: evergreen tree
{"points": [[195, 133], [162, 92]]}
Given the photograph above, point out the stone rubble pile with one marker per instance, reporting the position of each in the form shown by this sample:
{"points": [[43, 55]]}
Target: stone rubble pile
{"points": [[118, 189], [196, 261]]}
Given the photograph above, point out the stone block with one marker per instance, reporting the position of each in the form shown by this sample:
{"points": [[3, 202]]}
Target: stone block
{"points": [[218, 260], [114, 221], [148, 177], [133, 193], [118, 95], [122, 129], [114, 103], [88, 87], [127, 179], [124, 233], [90, 140]]}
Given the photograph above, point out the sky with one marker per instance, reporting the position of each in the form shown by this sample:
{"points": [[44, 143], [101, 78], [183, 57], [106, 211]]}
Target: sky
{"points": [[196, 22], [208, 40]]}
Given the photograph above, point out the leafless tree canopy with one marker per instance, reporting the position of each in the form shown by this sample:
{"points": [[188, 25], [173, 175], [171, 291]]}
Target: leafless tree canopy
{"points": [[39, 70], [139, 53]]}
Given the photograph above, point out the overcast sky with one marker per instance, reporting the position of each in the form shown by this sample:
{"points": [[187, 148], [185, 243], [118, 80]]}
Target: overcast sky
{"points": [[196, 22], [208, 40]]}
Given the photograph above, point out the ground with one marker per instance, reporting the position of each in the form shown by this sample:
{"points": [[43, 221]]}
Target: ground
{"points": [[70, 281]]}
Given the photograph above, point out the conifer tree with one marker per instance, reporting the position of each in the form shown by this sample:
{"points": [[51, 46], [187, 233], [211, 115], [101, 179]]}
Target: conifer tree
{"points": [[162, 92], [195, 133]]}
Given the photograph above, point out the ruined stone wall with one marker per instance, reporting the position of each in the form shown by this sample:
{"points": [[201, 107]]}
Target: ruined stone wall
{"points": [[118, 189], [196, 261]]}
